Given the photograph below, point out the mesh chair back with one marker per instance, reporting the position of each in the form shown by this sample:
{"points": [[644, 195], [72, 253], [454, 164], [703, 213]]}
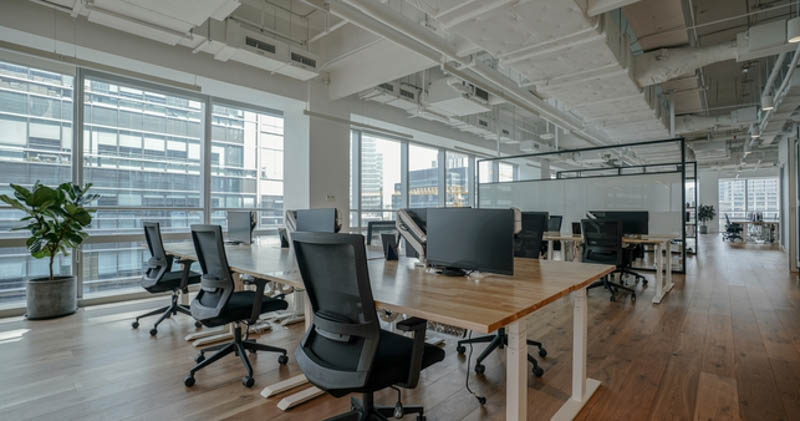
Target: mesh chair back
{"points": [[338, 350], [159, 263], [528, 243], [602, 239], [216, 284], [554, 223]]}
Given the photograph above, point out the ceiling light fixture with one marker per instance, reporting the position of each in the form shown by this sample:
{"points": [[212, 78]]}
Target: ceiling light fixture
{"points": [[793, 30]]}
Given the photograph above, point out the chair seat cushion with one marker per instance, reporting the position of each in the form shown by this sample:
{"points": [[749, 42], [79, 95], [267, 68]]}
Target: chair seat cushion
{"points": [[172, 281], [393, 360], [240, 307]]}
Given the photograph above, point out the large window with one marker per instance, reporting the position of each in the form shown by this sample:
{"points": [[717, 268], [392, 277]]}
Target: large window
{"points": [[457, 179], [423, 177], [381, 178], [387, 174], [247, 164], [35, 144], [142, 153], [740, 196], [147, 153]]}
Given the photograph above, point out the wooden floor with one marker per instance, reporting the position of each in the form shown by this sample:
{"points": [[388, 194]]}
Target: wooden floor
{"points": [[725, 344]]}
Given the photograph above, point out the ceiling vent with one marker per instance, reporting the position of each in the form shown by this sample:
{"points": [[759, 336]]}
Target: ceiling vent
{"points": [[454, 97]]}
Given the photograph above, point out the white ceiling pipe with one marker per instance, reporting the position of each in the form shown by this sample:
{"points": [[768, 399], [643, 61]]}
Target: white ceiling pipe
{"points": [[669, 63], [778, 98], [382, 22], [773, 74]]}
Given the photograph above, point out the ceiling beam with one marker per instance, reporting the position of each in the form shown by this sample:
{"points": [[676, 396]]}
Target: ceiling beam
{"points": [[598, 7]]}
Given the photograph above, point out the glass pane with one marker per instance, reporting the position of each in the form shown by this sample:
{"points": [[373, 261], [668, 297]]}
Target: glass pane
{"points": [[457, 180], [35, 145], [133, 154], [423, 177], [731, 200], [505, 172], [380, 174], [762, 196], [247, 163], [486, 171]]}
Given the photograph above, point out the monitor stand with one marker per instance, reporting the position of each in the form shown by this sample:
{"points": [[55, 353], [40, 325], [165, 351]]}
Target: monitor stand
{"points": [[448, 271]]}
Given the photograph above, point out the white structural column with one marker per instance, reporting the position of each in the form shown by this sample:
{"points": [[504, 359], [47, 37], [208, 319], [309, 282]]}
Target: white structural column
{"points": [[517, 372], [582, 387]]}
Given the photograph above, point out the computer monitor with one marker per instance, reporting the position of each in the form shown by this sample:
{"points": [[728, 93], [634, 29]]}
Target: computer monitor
{"points": [[528, 242], [633, 222], [316, 220], [240, 227], [471, 239]]}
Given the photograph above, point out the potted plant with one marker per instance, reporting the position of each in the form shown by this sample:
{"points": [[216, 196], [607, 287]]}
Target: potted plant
{"points": [[56, 218], [705, 213]]}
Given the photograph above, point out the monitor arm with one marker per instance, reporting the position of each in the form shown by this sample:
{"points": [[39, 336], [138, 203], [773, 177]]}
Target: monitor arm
{"points": [[415, 237]]}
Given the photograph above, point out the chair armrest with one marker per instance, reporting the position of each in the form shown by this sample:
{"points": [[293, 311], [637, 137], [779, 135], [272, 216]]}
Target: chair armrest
{"points": [[260, 284], [186, 265], [417, 326]]}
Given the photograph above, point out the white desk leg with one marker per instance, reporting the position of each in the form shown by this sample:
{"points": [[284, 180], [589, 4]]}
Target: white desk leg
{"points": [[517, 372], [296, 381], [659, 274], [550, 250], [668, 268], [582, 387]]}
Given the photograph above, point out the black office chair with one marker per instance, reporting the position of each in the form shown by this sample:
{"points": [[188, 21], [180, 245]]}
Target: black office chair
{"points": [[602, 243], [526, 244], [345, 350], [732, 230], [217, 304], [159, 277]]}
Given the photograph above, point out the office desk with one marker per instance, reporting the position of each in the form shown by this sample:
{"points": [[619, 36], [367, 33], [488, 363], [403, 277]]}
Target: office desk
{"points": [[660, 242], [402, 287], [768, 224]]}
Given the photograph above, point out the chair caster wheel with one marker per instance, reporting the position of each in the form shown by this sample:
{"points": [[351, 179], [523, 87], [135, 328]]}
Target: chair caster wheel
{"points": [[480, 368], [461, 349], [188, 381], [542, 352], [481, 400], [135, 325], [538, 371], [199, 358], [283, 359], [198, 325], [153, 332], [248, 381]]}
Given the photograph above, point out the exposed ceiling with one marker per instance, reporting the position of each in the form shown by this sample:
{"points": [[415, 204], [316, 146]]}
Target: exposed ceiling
{"points": [[531, 74]]}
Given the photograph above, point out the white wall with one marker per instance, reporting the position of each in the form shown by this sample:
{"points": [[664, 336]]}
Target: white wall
{"points": [[709, 187]]}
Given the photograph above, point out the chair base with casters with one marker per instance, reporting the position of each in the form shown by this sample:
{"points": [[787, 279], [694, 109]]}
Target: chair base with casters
{"points": [[612, 286], [500, 340], [365, 410], [238, 346], [166, 312]]}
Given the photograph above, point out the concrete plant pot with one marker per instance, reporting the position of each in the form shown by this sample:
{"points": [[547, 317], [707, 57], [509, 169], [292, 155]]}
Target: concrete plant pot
{"points": [[51, 298], [703, 229]]}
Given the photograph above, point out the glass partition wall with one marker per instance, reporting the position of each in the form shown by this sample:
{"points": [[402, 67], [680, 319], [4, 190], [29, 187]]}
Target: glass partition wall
{"points": [[149, 150], [643, 176]]}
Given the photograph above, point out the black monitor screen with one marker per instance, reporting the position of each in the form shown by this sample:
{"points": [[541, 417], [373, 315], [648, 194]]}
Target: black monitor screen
{"points": [[240, 226], [472, 239], [316, 220], [633, 222]]}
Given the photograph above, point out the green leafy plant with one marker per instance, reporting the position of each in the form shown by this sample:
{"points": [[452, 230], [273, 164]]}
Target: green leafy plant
{"points": [[706, 213], [56, 217]]}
